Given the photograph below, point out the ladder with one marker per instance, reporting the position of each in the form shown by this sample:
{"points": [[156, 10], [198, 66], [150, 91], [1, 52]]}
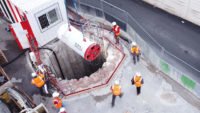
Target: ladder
{"points": [[34, 48]]}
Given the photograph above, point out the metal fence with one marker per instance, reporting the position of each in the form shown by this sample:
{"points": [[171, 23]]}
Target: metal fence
{"points": [[183, 72]]}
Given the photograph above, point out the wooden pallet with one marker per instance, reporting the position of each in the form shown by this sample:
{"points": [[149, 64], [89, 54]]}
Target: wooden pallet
{"points": [[3, 58], [3, 74], [5, 84]]}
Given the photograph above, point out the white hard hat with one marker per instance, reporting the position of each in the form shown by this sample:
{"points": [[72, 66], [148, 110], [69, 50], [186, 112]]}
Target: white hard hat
{"points": [[62, 109], [114, 23], [33, 74], [133, 43], [55, 94], [117, 82], [138, 74]]}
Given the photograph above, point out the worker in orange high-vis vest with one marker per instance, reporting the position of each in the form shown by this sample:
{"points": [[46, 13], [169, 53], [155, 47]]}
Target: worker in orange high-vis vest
{"points": [[116, 30], [38, 80], [137, 80], [116, 90], [135, 52], [58, 103]]}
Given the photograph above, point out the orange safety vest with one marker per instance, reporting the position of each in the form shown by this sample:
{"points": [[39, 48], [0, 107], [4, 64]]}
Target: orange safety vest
{"points": [[137, 81], [116, 29], [116, 89], [38, 81], [135, 49], [57, 102]]}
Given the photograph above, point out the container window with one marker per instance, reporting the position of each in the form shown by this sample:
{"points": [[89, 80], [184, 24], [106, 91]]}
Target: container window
{"points": [[48, 17], [43, 21], [53, 17]]}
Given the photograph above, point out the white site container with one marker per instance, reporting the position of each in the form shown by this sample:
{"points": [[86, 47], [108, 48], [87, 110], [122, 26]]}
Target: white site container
{"points": [[74, 39], [40, 18]]}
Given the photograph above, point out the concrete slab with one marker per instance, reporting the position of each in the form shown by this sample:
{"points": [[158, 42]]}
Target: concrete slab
{"points": [[157, 96]]}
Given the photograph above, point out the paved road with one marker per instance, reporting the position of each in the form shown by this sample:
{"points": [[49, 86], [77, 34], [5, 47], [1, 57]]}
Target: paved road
{"points": [[182, 40]]}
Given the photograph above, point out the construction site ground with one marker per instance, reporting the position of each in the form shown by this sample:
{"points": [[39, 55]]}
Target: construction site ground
{"points": [[157, 95]]}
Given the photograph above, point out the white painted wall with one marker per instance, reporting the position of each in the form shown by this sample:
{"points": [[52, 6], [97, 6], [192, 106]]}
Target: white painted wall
{"points": [[15, 11], [186, 9], [44, 36], [21, 35]]}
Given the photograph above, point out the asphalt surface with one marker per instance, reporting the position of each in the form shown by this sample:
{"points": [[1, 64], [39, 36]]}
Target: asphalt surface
{"points": [[182, 40]]}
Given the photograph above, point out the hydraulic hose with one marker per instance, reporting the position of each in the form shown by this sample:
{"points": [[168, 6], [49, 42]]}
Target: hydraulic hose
{"points": [[59, 66], [18, 56]]}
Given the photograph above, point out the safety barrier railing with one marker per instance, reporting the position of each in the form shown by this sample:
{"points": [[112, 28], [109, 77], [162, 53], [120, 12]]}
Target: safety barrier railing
{"points": [[182, 72]]}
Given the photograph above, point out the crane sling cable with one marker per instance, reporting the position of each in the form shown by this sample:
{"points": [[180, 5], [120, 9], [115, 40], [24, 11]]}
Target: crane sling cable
{"points": [[69, 28], [75, 6]]}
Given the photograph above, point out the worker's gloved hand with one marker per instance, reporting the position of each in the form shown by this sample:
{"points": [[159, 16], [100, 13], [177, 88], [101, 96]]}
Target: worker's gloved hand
{"points": [[132, 82]]}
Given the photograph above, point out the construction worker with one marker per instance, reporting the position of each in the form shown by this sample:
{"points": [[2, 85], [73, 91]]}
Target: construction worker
{"points": [[38, 80], [116, 30], [58, 103], [62, 110], [137, 80], [116, 90], [135, 52]]}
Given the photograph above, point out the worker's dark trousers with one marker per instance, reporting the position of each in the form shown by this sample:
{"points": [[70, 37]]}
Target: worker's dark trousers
{"points": [[116, 39], [134, 57], [113, 99], [41, 90], [138, 90]]}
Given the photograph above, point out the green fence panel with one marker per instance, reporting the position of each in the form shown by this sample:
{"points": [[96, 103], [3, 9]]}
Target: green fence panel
{"points": [[164, 67], [187, 82]]}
